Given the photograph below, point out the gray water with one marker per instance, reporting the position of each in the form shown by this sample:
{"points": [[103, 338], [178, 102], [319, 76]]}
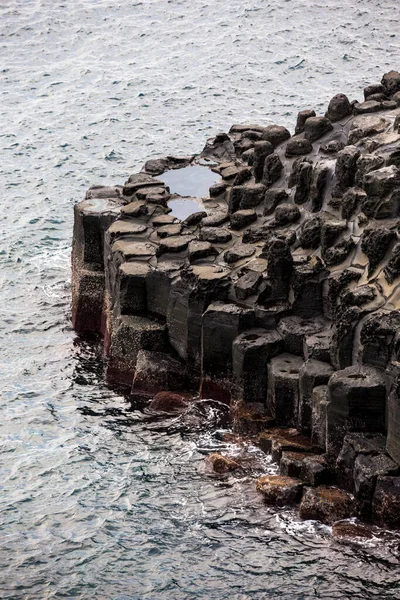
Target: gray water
{"points": [[95, 501]]}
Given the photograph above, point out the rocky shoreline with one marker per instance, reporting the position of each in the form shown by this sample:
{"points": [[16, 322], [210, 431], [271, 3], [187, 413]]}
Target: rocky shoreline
{"points": [[279, 296]]}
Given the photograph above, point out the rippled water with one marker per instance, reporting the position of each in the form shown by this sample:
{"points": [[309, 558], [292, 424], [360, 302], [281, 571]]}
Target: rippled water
{"points": [[95, 502]]}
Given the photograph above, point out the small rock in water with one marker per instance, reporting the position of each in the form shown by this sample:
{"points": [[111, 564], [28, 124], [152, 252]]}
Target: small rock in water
{"points": [[222, 464], [169, 402]]}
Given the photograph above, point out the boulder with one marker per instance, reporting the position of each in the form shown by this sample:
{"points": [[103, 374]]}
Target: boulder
{"points": [[316, 127], [272, 198], [326, 504], [222, 464], [245, 196], [317, 346], [291, 463], [273, 168], [250, 418], [371, 90], [302, 117], [302, 176], [131, 294], [261, 151], [392, 269], [316, 470], [169, 402], [356, 445], [247, 285], [339, 107], [298, 147], [215, 235], [238, 252], [200, 250], [379, 333], [130, 335], [375, 242], [242, 218], [346, 166], [391, 82], [279, 490], [381, 181], [310, 233], [275, 134]]}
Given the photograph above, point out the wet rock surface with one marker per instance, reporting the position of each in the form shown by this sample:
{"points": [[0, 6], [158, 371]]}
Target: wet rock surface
{"points": [[278, 292]]}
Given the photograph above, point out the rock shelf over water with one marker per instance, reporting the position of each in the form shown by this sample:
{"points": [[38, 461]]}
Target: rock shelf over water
{"points": [[280, 295]]}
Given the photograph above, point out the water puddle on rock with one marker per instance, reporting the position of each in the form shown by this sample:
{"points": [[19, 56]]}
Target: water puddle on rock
{"points": [[190, 181], [184, 207]]}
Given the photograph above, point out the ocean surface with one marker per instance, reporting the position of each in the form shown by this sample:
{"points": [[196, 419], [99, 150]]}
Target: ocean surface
{"points": [[96, 500]]}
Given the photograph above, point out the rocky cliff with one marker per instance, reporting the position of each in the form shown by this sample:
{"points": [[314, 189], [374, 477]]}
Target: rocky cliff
{"points": [[279, 295]]}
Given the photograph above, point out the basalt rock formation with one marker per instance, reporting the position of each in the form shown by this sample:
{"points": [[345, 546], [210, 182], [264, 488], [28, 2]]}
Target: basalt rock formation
{"points": [[279, 294]]}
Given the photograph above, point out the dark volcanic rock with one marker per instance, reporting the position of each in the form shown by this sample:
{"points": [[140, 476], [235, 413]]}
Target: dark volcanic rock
{"points": [[391, 82], [326, 504], [286, 214], [357, 403], [373, 89], [310, 234], [298, 147], [283, 388], [339, 107], [301, 175], [261, 151], [316, 127], [156, 372], [238, 252], [251, 352], [386, 503], [215, 235], [302, 117], [378, 335], [272, 169], [392, 269], [346, 166], [199, 250], [275, 134], [246, 196], [272, 198], [375, 243], [169, 402], [242, 218], [279, 490]]}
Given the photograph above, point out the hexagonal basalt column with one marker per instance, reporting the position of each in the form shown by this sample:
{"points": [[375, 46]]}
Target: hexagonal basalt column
{"points": [[312, 374], [283, 388], [251, 352], [189, 297], [222, 323], [357, 398], [130, 335]]}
